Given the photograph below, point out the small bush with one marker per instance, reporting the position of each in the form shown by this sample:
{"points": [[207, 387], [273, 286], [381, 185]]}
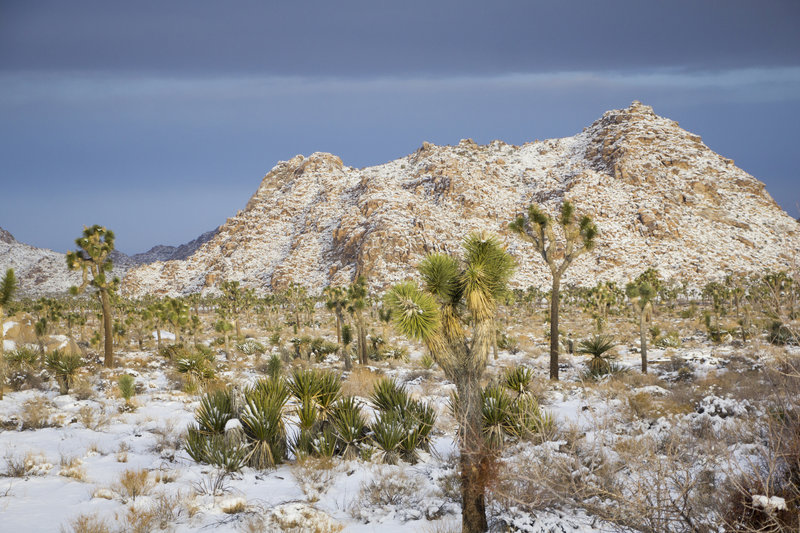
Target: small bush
{"points": [[134, 483], [35, 413], [127, 387]]}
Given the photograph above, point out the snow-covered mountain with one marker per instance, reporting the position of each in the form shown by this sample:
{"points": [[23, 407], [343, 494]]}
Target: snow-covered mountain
{"points": [[41, 271], [659, 196]]}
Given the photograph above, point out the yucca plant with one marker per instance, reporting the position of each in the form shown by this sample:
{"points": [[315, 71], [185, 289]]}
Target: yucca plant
{"points": [[526, 419], [518, 379], [388, 432], [274, 366], [197, 366], [263, 423], [305, 384], [389, 395], [23, 359], [497, 423], [598, 347], [330, 389], [324, 443], [350, 426], [214, 412], [418, 421], [64, 367], [215, 450]]}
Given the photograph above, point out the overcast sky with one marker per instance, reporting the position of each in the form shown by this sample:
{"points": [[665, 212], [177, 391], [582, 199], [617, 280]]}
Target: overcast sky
{"points": [[159, 119]]}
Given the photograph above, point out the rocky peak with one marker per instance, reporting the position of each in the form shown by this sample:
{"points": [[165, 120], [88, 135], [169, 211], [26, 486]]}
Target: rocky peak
{"points": [[6, 237], [659, 196]]}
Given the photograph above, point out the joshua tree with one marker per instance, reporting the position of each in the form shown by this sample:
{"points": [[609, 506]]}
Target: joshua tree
{"points": [[356, 303], [8, 285], [457, 296], [93, 259], [336, 301], [347, 338], [578, 238], [641, 293], [176, 312], [295, 298], [235, 300]]}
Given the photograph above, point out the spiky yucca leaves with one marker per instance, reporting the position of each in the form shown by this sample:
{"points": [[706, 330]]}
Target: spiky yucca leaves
{"points": [[389, 395], [388, 432], [496, 416], [317, 392], [416, 418], [274, 366], [350, 426], [64, 367], [214, 412], [23, 359], [196, 365], [215, 450], [518, 379], [507, 418], [598, 347], [527, 420], [263, 422]]}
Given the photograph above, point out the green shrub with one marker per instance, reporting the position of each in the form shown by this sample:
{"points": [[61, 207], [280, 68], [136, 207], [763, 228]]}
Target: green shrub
{"points": [[126, 385]]}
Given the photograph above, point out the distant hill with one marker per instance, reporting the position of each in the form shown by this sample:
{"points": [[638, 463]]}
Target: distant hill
{"points": [[659, 196]]}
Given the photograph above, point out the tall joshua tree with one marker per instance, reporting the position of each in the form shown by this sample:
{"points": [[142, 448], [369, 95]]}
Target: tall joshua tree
{"points": [[336, 301], [577, 238], [92, 257], [8, 285], [457, 296], [642, 292], [356, 303]]}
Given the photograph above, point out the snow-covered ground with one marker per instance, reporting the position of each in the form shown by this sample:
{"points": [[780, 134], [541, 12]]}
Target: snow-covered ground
{"points": [[74, 466]]}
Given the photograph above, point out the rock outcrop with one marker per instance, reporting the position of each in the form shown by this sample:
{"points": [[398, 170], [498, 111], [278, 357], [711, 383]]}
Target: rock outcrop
{"points": [[659, 196]]}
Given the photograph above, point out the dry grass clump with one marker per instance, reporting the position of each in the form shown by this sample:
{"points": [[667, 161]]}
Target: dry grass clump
{"points": [[122, 452], [134, 483], [71, 468], [94, 419], [35, 413], [361, 382], [30, 464], [86, 523], [314, 476]]}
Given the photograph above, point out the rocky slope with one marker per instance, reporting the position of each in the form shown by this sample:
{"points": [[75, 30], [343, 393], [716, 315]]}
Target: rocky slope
{"points": [[42, 272], [659, 196]]}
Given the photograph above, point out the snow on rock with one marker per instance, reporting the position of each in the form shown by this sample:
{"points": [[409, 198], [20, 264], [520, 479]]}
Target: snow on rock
{"points": [[660, 198], [771, 504]]}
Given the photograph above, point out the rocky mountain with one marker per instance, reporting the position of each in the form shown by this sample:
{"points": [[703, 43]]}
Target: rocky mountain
{"points": [[41, 271], [659, 196]]}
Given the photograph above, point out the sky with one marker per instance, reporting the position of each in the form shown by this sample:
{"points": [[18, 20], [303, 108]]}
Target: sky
{"points": [[159, 119]]}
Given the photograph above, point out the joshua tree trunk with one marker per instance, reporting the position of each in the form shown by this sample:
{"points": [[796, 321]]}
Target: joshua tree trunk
{"points": [[555, 300], [362, 338], [108, 360], [473, 457], [643, 341], [494, 341], [339, 322]]}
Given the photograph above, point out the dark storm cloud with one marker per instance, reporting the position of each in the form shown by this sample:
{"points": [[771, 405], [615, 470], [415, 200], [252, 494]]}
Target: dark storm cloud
{"points": [[409, 37]]}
